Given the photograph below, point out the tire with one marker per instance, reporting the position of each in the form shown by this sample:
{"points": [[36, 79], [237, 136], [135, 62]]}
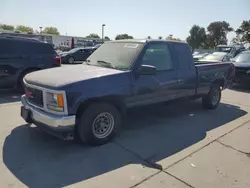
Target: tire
{"points": [[71, 60], [91, 127], [212, 99]]}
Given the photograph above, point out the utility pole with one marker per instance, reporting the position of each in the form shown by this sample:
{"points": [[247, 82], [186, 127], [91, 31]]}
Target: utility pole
{"points": [[103, 25]]}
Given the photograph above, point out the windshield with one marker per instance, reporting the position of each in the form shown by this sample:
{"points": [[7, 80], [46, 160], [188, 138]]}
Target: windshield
{"points": [[117, 55], [224, 49], [213, 57], [243, 58]]}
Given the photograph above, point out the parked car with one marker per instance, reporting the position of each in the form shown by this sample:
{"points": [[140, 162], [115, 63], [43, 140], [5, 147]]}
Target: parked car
{"points": [[215, 57], [231, 50], [90, 99], [77, 55], [199, 56], [20, 56], [242, 67]]}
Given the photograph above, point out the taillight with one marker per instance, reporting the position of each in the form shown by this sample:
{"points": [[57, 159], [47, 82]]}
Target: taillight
{"points": [[58, 60]]}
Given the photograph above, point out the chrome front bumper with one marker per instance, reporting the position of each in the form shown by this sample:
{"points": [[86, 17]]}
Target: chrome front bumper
{"points": [[48, 119]]}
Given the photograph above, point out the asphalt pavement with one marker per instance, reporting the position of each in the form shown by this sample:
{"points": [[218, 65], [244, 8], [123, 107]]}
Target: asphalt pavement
{"points": [[176, 145]]}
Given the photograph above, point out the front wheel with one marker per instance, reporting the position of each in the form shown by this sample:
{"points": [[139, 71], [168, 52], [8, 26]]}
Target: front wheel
{"points": [[212, 99], [71, 60], [98, 124]]}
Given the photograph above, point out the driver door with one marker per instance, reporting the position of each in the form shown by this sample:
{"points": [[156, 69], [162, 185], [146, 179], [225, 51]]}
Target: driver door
{"points": [[149, 89]]}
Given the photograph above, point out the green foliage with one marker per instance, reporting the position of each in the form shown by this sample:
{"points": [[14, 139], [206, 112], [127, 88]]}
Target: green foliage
{"points": [[24, 28], [197, 37], [244, 31], [216, 34], [106, 38], [93, 35], [149, 37], [123, 36], [51, 30], [160, 37], [7, 27]]}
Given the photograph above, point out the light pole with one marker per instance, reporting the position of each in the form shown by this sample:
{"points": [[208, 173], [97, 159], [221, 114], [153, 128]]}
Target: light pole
{"points": [[41, 29], [103, 25]]}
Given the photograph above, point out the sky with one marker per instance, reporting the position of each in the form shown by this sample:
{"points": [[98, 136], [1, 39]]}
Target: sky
{"points": [[139, 18]]}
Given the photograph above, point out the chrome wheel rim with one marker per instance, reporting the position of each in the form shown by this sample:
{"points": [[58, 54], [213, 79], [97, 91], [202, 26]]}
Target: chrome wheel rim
{"points": [[215, 96], [103, 125]]}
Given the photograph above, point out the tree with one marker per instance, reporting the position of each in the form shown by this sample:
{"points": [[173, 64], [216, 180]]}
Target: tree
{"points": [[25, 29], [160, 37], [93, 35], [244, 31], [217, 33], [197, 37], [51, 30], [106, 38], [123, 36], [7, 27], [149, 37]]}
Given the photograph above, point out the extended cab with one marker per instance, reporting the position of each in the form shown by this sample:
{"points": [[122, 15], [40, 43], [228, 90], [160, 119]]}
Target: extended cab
{"points": [[89, 100]]}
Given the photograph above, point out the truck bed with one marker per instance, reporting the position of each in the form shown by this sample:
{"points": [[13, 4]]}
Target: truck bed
{"points": [[207, 73]]}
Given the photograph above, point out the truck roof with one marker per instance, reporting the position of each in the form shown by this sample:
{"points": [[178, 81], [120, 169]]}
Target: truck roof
{"points": [[146, 40]]}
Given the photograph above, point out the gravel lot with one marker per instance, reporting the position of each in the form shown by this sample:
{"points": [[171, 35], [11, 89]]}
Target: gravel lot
{"points": [[179, 145]]}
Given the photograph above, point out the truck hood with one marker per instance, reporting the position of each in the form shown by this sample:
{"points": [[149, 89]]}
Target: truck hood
{"points": [[66, 75]]}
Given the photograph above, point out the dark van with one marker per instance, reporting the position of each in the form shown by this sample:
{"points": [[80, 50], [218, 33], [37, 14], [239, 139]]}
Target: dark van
{"points": [[20, 56]]}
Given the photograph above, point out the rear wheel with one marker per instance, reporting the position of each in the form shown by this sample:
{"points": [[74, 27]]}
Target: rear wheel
{"points": [[212, 99], [71, 60], [98, 124]]}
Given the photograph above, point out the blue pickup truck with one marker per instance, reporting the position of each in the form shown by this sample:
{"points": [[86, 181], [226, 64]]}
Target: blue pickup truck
{"points": [[88, 101]]}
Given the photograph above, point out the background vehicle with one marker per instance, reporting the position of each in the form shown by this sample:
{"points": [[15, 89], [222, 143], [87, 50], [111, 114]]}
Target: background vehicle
{"points": [[19, 56], [91, 99], [215, 57], [231, 50], [242, 67], [77, 55], [199, 56]]}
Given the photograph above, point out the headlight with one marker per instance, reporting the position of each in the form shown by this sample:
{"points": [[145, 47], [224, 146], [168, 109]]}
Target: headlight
{"points": [[55, 102]]}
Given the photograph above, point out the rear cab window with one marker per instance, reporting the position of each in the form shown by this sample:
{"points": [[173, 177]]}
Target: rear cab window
{"points": [[183, 55]]}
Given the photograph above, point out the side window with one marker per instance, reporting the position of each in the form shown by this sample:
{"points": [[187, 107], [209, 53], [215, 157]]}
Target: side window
{"points": [[158, 55]]}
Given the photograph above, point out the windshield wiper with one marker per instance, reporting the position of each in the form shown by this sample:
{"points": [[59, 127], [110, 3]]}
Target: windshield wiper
{"points": [[105, 63]]}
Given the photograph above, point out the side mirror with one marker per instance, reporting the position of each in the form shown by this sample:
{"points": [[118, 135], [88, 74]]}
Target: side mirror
{"points": [[147, 70]]}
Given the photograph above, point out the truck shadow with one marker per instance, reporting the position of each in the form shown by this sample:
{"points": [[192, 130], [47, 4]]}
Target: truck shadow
{"points": [[150, 134]]}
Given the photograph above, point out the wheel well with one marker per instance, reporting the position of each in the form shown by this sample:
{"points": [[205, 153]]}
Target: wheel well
{"points": [[219, 82], [26, 71], [117, 101]]}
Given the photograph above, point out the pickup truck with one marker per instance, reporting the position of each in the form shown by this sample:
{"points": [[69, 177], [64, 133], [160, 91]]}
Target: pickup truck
{"points": [[89, 101]]}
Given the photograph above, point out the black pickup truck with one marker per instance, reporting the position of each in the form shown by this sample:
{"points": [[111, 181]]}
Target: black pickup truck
{"points": [[89, 100]]}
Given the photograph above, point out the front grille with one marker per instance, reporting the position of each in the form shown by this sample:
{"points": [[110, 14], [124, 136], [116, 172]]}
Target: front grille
{"points": [[34, 96]]}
